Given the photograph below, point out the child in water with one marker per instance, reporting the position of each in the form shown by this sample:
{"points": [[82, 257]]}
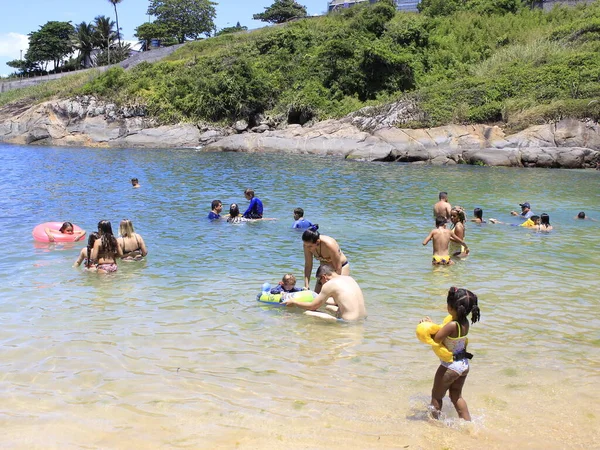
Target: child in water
{"points": [[85, 255], [286, 285], [452, 376], [544, 224]]}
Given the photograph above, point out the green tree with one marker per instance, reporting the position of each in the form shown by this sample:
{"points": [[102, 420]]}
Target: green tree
{"points": [[228, 30], [51, 43], [24, 65], [115, 3], [85, 42], [281, 11], [151, 30], [184, 19], [105, 34]]}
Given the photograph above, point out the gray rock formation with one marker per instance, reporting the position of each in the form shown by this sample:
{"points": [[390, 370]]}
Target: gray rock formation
{"points": [[85, 121], [568, 144], [371, 134]]}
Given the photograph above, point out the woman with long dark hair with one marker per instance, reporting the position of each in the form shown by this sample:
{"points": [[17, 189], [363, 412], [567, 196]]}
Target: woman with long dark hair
{"points": [[106, 249], [326, 250]]}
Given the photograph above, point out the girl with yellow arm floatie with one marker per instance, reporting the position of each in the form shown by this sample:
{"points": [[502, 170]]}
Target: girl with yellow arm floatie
{"points": [[450, 341]]}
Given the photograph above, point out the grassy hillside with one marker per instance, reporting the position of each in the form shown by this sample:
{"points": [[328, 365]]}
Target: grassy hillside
{"points": [[519, 68]]}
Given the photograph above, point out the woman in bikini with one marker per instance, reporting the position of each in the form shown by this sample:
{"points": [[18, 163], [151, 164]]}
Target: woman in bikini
{"points": [[132, 244], [458, 219], [326, 250], [106, 249]]}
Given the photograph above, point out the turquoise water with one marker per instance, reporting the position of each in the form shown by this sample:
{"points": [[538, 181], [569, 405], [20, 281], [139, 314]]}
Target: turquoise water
{"points": [[175, 351]]}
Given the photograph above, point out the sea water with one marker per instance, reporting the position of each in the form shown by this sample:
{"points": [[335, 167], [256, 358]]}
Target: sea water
{"points": [[175, 351]]}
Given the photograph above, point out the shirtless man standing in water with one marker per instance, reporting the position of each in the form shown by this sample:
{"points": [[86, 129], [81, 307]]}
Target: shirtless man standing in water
{"points": [[441, 237], [442, 207], [344, 290]]}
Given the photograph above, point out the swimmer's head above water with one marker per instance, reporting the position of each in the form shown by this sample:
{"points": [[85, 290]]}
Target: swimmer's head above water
{"points": [[311, 238], [66, 228], [104, 227], [126, 228], [234, 210], [545, 219], [457, 214], [311, 234]]}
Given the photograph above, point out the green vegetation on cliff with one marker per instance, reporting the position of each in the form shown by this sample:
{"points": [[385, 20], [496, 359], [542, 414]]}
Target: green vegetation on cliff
{"points": [[507, 63]]}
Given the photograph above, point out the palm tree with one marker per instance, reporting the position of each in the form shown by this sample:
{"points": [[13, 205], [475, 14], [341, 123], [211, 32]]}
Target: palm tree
{"points": [[84, 41], [105, 31], [114, 3]]}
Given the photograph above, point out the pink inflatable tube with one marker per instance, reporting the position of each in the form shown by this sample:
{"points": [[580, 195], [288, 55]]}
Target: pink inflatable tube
{"points": [[39, 233]]}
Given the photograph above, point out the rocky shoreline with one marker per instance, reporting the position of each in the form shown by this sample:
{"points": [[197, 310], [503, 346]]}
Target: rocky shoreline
{"points": [[370, 135]]}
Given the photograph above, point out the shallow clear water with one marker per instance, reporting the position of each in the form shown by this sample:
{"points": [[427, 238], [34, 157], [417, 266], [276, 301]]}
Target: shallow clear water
{"points": [[175, 352]]}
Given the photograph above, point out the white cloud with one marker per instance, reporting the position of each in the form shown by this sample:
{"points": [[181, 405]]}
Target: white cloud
{"points": [[11, 45]]}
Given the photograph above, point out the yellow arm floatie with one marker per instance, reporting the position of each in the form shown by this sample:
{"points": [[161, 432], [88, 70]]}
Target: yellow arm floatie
{"points": [[425, 330]]}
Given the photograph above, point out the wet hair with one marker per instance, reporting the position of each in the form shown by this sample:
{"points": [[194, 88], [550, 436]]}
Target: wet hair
{"points": [[325, 269], [581, 215], [66, 225], [234, 210], [126, 228], [289, 278], [299, 212], [439, 221], [90, 245], [249, 192], [534, 218], [443, 195], [460, 213], [311, 234], [464, 302], [109, 242], [134, 181], [478, 213], [215, 204], [545, 219]]}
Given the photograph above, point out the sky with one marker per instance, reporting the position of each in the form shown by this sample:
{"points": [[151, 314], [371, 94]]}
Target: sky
{"points": [[21, 18]]}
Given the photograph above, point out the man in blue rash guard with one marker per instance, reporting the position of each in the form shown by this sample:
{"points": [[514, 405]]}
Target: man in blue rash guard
{"points": [[255, 209]]}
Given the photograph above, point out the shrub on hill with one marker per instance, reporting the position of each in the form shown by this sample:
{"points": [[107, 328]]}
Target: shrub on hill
{"points": [[481, 65]]}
